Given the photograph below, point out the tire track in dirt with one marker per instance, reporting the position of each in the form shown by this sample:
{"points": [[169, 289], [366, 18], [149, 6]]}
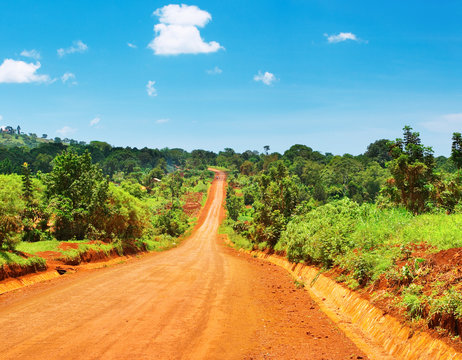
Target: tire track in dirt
{"points": [[201, 300]]}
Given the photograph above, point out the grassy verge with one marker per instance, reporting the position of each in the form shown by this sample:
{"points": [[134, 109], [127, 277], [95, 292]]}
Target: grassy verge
{"points": [[238, 241], [9, 258]]}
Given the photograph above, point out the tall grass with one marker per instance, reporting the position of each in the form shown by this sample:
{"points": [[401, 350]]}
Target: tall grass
{"points": [[365, 239]]}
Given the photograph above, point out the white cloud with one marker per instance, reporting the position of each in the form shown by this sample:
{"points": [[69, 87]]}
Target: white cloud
{"points": [[448, 123], [162, 121], [17, 71], [150, 89], [267, 78], [183, 15], [34, 54], [1, 118], [341, 37], [215, 71], [69, 77], [95, 121], [178, 31], [77, 47], [66, 130], [133, 46]]}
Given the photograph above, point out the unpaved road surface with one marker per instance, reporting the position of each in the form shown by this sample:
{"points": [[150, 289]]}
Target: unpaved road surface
{"points": [[202, 300]]}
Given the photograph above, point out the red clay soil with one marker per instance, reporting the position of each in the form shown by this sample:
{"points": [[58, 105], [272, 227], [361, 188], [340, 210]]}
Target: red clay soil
{"points": [[49, 255], [68, 246], [440, 271], [201, 300], [193, 205]]}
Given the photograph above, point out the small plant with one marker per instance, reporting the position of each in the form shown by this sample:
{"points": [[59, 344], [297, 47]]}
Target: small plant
{"points": [[414, 301], [352, 283], [299, 283], [450, 303]]}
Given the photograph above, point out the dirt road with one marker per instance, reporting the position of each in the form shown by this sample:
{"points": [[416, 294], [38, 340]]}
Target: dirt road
{"points": [[201, 300]]}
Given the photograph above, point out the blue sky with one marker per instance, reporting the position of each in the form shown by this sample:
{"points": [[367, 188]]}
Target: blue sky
{"points": [[334, 75]]}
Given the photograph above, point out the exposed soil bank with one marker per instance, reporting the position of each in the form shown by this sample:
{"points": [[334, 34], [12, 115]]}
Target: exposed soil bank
{"points": [[344, 306], [16, 276], [25, 276], [16, 270]]}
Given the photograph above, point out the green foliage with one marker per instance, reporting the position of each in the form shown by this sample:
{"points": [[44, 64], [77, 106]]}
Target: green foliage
{"points": [[414, 301], [172, 222], [456, 150], [450, 303], [234, 204], [365, 240], [76, 191], [379, 151], [239, 241], [322, 234], [412, 170], [11, 208], [126, 217]]}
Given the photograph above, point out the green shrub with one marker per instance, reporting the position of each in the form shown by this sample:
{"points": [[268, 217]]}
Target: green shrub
{"points": [[414, 301], [322, 234], [127, 217], [11, 208]]}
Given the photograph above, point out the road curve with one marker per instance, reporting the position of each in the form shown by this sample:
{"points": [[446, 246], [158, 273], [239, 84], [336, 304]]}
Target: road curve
{"points": [[201, 300]]}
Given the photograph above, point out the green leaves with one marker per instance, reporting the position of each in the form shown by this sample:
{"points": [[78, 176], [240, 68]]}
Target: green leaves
{"points": [[77, 192]]}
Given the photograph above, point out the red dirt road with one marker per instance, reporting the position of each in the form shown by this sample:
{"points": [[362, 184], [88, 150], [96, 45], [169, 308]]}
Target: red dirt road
{"points": [[201, 300]]}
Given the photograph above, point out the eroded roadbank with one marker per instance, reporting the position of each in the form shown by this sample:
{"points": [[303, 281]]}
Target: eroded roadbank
{"points": [[201, 300]]}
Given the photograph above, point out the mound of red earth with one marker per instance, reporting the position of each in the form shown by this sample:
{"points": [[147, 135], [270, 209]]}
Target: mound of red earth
{"points": [[68, 246], [193, 204], [16, 270], [434, 273], [55, 260]]}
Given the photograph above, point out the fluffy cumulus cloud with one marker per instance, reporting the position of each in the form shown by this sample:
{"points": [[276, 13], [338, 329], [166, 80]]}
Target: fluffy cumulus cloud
{"points": [[445, 124], [69, 78], [95, 121], [150, 89], [178, 33], [17, 71], [77, 47], [34, 54], [66, 131], [215, 71], [133, 46], [266, 78], [340, 37]]}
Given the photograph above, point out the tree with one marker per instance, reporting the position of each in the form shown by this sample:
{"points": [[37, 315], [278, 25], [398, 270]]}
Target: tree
{"points": [[174, 186], [456, 150], [379, 151], [76, 191], [267, 149], [278, 196], [234, 203], [9, 130], [298, 150], [31, 212], [44, 136], [247, 168], [412, 170], [11, 207]]}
